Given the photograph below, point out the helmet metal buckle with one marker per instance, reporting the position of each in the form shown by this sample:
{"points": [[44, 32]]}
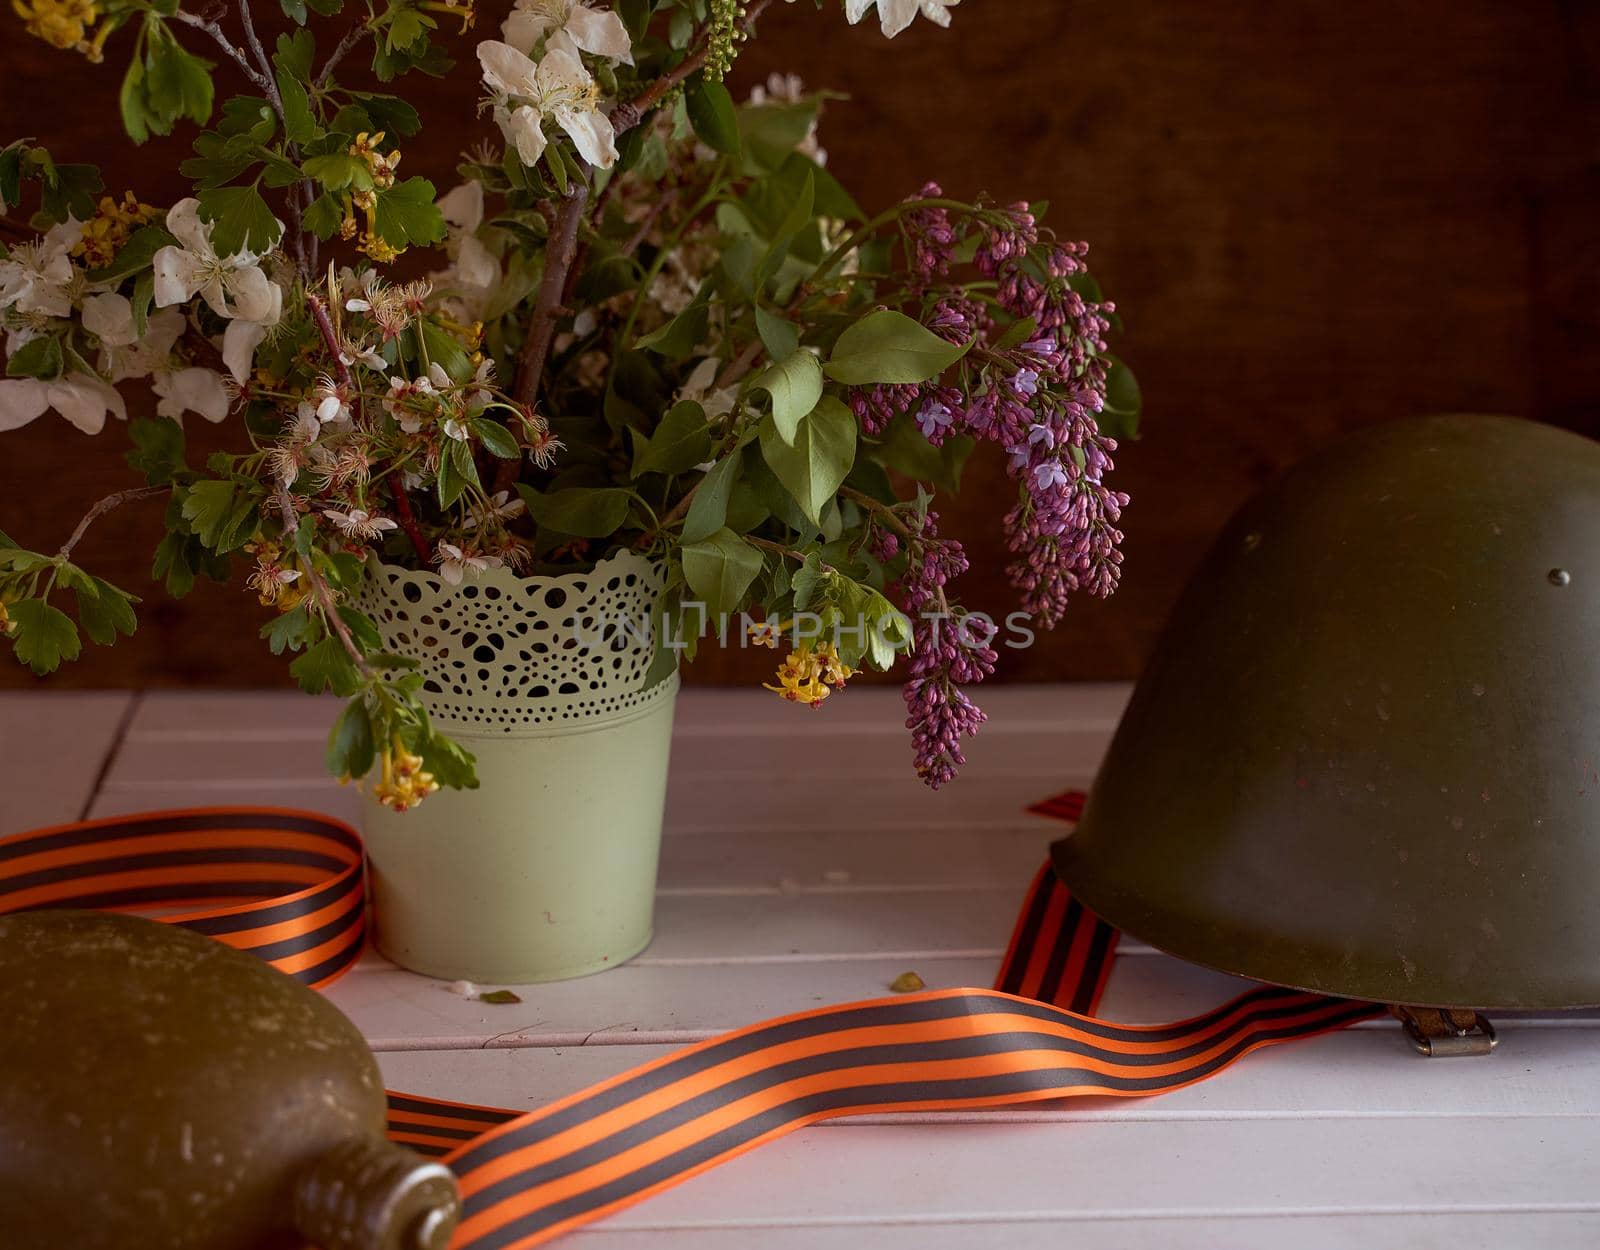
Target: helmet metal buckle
{"points": [[1477, 1039]]}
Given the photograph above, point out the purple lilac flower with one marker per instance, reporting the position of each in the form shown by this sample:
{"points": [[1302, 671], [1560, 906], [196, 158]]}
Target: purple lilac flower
{"points": [[950, 649], [934, 420], [932, 236]]}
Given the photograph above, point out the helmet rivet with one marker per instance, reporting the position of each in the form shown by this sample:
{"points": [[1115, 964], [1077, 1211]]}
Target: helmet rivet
{"points": [[1559, 577]]}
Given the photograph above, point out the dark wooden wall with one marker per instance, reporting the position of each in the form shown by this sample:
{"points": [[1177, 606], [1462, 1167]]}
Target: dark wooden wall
{"points": [[1313, 216]]}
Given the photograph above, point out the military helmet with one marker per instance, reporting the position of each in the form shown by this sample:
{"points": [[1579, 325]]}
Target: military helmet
{"points": [[1365, 757]]}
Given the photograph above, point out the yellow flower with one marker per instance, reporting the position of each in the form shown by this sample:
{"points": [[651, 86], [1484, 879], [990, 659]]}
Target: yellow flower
{"points": [[404, 784], [809, 673], [62, 24], [105, 233], [6, 623]]}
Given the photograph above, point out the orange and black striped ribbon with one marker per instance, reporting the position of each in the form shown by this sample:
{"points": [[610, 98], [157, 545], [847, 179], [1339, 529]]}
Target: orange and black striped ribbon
{"points": [[288, 886]]}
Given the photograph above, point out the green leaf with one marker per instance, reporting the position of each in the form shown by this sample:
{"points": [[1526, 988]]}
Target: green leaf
{"points": [[456, 473], [495, 437], [350, 750], [362, 629], [712, 114], [406, 214], [326, 666], [778, 336], [136, 254], [144, 294], [69, 190], [888, 346], [105, 611], [298, 123], [158, 450], [338, 170], [582, 512], [450, 765], [680, 336], [498, 997], [406, 26], [795, 384], [37, 358], [389, 113], [294, 54], [719, 570], [42, 635], [324, 216], [1119, 418], [708, 510], [445, 350], [290, 631], [10, 176], [176, 84], [905, 450], [815, 463], [222, 513], [242, 222], [680, 442], [772, 131]]}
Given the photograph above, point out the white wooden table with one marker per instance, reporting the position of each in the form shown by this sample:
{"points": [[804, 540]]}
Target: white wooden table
{"points": [[805, 865]]}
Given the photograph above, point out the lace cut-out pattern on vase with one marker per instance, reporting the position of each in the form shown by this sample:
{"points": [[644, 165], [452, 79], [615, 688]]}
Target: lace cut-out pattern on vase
{"points": [[500, 653]]}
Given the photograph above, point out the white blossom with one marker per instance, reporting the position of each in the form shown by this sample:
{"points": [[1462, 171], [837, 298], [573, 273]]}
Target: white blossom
{"points": [[454, 563], [81, 398], [474, 271], [501, 507], [37, 277], [895, 15], [234, 286], [569, 25], [359, 523], [329, 401], [194, 389], [558, 88], [244, 335]]}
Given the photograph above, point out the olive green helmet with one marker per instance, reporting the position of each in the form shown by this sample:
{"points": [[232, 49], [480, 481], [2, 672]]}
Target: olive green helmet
{"points": [[1365, 757]]}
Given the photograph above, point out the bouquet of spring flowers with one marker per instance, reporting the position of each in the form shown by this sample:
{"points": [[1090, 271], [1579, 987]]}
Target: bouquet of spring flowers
{"points": [[647, 317]]}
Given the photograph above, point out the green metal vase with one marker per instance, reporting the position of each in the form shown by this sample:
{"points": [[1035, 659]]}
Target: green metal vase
{"points": [[548, 869]]}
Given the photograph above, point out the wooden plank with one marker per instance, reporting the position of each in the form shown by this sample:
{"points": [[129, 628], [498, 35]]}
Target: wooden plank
{"points": [[205, 714], [750, 804], [643, 1002], [1390, 1230], [54, 744], [1370, 1072], [765, 738]]}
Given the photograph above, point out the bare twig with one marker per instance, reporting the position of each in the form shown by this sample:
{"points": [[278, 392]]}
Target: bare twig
{"points": [[739, 365], [558, 258], [330, 340], [106, 505], [652, 215], [878, 509], [260, 53], [352, 37], [235, 53], [408, 520]]}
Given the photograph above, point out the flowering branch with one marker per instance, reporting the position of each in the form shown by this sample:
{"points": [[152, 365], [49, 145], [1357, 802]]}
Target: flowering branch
{"points": [[341, 371], [110, 502], [319, 585], [563, 246]]}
